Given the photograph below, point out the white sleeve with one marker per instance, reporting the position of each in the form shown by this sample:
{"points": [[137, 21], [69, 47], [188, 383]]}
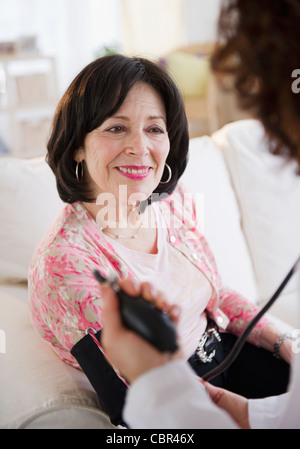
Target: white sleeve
{"points": [[267, 413], [291, 413], [278, 412], [281, 412], [172, 397]]}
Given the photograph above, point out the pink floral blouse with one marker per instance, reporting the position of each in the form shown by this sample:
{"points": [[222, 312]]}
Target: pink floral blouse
{"points": [[64, 296]]}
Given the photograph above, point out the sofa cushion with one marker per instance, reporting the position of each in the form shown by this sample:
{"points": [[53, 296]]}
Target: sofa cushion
{"points": [[28, 204], [268, 193], [38, 390], [206, 176]]}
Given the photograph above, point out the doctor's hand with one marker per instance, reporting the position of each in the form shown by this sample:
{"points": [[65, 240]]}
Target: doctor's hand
{"points": [[127, 351], [235, 405]]}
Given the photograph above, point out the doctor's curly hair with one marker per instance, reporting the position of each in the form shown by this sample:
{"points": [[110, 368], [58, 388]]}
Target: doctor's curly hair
{"points": [[260, 49]]}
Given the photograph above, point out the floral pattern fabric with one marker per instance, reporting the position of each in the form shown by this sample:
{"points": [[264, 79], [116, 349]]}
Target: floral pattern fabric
{"points": [[64, 296]]}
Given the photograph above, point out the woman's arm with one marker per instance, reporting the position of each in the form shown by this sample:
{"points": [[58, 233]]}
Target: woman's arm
{"points": [[164, 391], [265, 334], [64, 298]]}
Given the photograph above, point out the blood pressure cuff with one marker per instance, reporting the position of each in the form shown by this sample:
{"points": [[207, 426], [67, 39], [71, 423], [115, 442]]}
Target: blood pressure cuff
{"points": [[110, 389]]}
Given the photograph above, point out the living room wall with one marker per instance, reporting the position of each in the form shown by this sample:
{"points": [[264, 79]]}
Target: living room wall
{"points": [[77, 30], [74, 32]]}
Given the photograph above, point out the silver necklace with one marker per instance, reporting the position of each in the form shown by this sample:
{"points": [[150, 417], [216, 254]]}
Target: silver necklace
{"points": [[122, 236]]}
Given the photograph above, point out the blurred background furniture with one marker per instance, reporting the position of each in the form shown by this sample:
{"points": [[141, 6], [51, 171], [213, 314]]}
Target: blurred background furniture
{"points": [[27, 108], [208, 107]]}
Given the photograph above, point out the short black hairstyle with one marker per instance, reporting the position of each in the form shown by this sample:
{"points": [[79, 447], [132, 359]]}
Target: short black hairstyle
{"points": [[97, 93]]}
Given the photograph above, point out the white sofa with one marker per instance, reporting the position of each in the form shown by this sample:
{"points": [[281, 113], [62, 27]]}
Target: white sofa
{"points": [[248, 203]]}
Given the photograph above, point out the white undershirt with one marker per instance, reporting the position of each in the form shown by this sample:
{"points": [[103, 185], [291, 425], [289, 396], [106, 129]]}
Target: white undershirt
{"points": [[180, 281]]}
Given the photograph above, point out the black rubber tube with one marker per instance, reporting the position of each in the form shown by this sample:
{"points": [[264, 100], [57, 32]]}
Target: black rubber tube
{"points": [[243, 337]]}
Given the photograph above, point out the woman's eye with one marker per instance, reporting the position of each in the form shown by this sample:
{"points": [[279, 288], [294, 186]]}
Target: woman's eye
{"points": [[156, 130], [116, 129]]}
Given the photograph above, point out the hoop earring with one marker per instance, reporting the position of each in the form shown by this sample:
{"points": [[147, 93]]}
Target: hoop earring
{"points": [[77, 171], [170, 175]]}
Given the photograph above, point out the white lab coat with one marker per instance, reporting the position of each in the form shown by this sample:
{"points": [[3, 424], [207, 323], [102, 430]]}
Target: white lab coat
{"points": [[279, 412], [171, 397]]}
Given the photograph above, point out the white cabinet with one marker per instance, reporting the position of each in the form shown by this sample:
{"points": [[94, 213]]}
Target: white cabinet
{"points": [[28, 98]]}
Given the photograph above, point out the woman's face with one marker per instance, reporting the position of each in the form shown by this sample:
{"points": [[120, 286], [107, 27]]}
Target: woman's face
{"points": [[128, 149]]}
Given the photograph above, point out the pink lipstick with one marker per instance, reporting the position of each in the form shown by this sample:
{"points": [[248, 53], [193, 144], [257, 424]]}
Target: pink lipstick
{"points": [[134, 171]]}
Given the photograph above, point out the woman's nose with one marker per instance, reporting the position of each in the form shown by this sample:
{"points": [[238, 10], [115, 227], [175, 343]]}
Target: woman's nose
{"points": [[136, 144]]}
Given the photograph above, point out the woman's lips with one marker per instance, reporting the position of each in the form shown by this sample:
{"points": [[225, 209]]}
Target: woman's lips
{"points": [[134, 171]]}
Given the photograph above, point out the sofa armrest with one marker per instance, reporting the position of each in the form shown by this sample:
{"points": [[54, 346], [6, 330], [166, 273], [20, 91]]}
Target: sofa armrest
{"points": [[37, 389]]}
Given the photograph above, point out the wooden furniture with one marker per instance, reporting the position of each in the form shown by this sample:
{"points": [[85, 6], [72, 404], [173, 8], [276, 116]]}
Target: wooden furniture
{"points": [[208, 106], [27, 102]]}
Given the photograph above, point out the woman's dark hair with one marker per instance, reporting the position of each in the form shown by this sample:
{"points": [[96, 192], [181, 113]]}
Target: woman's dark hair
{"points": [[97, 93], [260, 49]]}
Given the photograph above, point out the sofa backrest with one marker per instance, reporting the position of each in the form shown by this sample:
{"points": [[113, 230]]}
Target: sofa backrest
{"points": [[207, 178]]}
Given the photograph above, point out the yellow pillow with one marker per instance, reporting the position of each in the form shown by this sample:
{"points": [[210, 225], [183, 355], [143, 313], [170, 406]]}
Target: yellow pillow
{"points": [[190, 72]]}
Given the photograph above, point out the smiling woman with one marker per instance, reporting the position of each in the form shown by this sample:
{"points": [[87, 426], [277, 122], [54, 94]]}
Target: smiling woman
{"points": [[118, 147], [103, 100], [129, 148]]}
